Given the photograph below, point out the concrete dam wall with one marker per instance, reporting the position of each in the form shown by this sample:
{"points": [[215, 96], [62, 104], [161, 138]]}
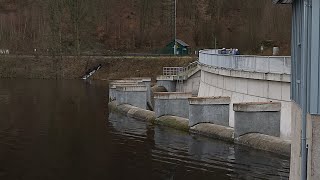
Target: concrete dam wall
{"points": [[241, 99], [248, 79], [256, 124]]}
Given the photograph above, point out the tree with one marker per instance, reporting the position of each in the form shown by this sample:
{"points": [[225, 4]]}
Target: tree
{"points": [[56, 14], [78, 11]]}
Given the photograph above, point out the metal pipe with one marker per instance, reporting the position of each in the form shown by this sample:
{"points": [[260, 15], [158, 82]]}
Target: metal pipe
{"points": [[304, 93], [175, 28]]}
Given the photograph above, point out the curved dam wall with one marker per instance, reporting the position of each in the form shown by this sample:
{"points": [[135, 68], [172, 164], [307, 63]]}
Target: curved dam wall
{"points": [[248, 79], [190, 85]]}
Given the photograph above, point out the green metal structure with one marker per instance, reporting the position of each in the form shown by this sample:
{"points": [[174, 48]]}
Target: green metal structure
{"points": [[183, 48]]}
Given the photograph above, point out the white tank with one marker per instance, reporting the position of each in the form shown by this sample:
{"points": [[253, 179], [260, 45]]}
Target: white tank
{"points": [[275, 51]]}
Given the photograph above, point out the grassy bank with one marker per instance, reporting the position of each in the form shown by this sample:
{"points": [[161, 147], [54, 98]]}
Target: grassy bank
{"points": [[67, 67]]}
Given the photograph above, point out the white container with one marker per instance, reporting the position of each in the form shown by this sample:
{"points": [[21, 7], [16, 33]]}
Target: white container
{"points": [[275, 51]]}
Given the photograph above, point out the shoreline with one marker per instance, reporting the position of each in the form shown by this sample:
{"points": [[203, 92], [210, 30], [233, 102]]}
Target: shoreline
{"points": [[74, 67]]}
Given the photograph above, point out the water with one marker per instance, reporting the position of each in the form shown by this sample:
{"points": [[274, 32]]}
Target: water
{"points": [[59, 130]]}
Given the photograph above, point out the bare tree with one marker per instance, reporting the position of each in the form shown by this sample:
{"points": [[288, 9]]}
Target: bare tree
{"points": [[78, 10]]}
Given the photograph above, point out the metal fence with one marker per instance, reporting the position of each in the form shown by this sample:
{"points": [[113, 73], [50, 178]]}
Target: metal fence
{"points": [[264, 64], [180, 71], [172, 71]]}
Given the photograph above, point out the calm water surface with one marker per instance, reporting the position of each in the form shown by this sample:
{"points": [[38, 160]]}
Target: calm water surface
{"points": [[60, 130]]}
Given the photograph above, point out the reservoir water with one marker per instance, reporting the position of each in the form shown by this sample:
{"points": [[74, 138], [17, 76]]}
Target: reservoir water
{"points": [[61, 130]]}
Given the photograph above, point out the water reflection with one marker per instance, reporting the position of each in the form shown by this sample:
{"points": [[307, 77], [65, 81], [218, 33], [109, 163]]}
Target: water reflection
{"points": [[177, 155], [130, 128]]}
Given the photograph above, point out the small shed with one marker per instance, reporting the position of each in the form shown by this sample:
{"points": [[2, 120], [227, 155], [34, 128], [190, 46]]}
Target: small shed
{"points": [[182, 49]]}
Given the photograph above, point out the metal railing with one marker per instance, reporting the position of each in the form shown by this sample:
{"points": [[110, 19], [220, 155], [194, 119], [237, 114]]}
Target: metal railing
{"points": [[180, 71], [264, 64], [172, 71], [180, 74]]}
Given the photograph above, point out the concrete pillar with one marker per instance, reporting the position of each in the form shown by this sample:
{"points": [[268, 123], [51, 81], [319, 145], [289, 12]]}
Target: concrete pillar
{"points": [[314, 146], [156, 89], [313, 141], [125, 81], [135, 95], [263, 118], [172, 104], [147, 82], [112, 93], [213, 110], [113, 87], [295, 158], [168, 82], [142, 79]]}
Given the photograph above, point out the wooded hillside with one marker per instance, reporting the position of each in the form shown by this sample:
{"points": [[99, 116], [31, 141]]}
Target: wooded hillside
{"points": [[101, 26]]}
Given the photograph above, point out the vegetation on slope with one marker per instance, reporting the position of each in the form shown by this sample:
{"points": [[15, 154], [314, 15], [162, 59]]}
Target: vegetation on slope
{"points": [[106, 26]]}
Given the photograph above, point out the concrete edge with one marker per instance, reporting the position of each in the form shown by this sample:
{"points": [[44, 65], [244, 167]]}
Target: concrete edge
{"points": [[122, 109], [164, 78], [112, 105], [114, 85], [124, 81], [214, 131], [132, 88], [209, 100], [265, 143], [132, 111], [247, 74], [132, 79], [142, 114], [143, 79], [156, 88], [172, 95], [257, 107], [173, 122], [197, 69]]}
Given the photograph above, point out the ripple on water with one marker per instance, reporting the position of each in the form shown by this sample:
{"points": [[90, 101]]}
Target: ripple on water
{"points": [[4, 97], [130, 128], [196, 153], [2, 173], [71, 140], [13, 139]]}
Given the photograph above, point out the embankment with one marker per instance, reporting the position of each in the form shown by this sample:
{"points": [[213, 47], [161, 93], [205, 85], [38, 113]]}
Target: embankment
{"points": [[71, 67]]}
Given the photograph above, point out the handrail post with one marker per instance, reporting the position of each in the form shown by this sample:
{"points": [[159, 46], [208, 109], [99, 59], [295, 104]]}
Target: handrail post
{"points": [[269, 64], [284, 65], [255, 64]]}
